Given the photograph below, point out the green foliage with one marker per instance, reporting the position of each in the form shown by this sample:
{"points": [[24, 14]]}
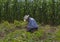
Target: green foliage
{"points": [[44, 11], [12, 34], [22, 36], [5, 25], [17, 23], [58, 35], [20, 23]]}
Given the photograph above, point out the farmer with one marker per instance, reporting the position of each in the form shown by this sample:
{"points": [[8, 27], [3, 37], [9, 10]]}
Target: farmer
{"points": [[32, 25]]}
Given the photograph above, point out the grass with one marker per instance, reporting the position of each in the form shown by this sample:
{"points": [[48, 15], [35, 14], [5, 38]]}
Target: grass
{"points": [[16, 32]]}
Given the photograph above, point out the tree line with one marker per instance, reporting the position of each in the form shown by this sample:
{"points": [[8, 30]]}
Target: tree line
{"points": [[44, 11]]}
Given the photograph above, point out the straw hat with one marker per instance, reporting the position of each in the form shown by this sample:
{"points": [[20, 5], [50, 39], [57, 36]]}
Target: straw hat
{"points": [[26, 17]]}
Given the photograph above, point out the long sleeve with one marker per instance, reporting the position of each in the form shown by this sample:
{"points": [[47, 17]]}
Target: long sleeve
{"points": [[32, 23]]}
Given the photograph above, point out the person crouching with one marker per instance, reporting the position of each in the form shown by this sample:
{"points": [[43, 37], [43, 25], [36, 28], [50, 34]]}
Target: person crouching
{"points": [[32, 24]]}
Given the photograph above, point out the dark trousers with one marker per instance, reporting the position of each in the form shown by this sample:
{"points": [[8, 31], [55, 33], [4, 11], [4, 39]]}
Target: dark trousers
{"points": [[32, 30]]}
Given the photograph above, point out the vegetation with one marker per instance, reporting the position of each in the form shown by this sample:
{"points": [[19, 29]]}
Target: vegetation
{"points": [[12, 27], [44, 11], [17, 33]]}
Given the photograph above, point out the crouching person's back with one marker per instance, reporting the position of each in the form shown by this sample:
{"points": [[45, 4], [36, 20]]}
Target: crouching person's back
{"points": [[32, 24]]}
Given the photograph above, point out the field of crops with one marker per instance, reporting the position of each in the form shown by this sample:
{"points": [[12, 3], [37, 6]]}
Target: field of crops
{"points": [[45, 12], [16, 32]]}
